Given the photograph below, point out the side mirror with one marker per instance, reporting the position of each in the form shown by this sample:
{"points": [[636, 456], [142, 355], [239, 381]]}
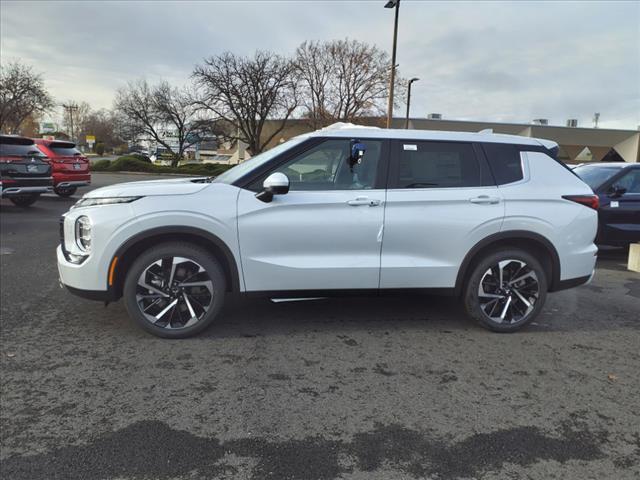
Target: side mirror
{"points": [[275, 184], [616, 191], [357, 152]]}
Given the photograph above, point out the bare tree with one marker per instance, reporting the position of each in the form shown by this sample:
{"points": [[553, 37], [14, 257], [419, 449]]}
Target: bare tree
{"points": [[22, 95], [342, 80], [161, 113], [246, 92]]}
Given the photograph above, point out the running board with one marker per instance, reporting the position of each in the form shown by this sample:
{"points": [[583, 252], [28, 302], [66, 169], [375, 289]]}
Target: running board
{"points": [[283, 300]]}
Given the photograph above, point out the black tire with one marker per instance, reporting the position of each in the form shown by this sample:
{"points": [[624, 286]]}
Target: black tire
{"points": [[66, 192], [507, 300], [174, 323], [25, 200]]}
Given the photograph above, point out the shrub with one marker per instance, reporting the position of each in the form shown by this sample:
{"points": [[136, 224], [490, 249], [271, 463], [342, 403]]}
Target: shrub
{"points": [[101, 165], [100, 148], [133, 163], [139, 156]]}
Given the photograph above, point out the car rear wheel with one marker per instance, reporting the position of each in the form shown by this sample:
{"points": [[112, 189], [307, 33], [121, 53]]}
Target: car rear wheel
{"points": [[174, 290], [506, 290], [24, 200], [66, 191]]}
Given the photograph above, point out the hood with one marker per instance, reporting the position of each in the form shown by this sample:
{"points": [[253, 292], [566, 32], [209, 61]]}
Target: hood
{"points": [[177, 186]]}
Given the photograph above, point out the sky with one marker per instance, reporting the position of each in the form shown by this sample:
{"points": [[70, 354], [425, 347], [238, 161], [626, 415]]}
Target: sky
{"points": [[507, 61]]}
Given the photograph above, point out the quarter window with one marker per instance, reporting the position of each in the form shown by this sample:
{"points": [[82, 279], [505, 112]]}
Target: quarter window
{"points": [[504, 161], [436, 165]]}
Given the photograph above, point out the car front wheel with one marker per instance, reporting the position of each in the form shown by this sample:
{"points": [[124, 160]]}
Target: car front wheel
{"points": [[174, 290], [506, 290]]}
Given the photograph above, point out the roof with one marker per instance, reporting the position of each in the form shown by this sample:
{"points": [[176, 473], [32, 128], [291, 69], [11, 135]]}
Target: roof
{"points": [[58, 143], [15, 140], [354, 131]]}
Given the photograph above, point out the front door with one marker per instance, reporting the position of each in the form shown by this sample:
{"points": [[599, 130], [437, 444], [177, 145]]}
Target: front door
{"points": [[441, 201], [326, 233]]}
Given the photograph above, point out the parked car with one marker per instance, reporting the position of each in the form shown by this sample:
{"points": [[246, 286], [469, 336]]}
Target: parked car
{"points": [[495, 219], [24, 170], [70, 168], [618, 188]]}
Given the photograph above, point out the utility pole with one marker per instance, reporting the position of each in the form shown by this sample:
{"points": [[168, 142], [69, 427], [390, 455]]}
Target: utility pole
{"points": [[392, 4], [70, 108], [406, 122]]}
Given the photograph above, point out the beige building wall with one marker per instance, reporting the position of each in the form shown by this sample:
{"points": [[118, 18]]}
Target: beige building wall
{"points": [[572, 140]]}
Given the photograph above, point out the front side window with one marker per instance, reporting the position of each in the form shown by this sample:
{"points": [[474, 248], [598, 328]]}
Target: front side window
{"points": [[327, 166], [421, 164], [630, 181]]}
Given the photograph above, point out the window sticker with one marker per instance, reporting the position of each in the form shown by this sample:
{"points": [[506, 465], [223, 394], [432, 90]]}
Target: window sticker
{"points": [[413, 148]]}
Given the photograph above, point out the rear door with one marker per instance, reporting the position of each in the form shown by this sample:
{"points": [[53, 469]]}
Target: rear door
{"points": [[441, 201]]}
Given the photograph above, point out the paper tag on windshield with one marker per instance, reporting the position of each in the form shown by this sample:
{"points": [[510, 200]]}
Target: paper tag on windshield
{"points": [[411, 147], [615, 204]]}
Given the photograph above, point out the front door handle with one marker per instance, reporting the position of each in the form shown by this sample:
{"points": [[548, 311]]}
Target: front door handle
{"points": [[363, 201], [485, 200]]}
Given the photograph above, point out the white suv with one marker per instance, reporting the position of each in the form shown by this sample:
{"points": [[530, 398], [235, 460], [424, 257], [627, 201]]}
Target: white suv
{"points": [[495, 219]]}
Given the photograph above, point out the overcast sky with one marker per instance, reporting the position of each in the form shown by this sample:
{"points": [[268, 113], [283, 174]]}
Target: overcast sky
{"points": [[500, 61]]}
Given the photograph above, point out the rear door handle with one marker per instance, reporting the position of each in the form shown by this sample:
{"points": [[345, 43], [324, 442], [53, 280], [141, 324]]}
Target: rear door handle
{"points": [[485, 200], [363, 201]]}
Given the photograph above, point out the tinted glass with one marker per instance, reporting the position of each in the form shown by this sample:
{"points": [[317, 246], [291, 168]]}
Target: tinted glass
{"points": [[10, 149], [247, 166], [630, 181], [594, 176], [437, 165], [65, 150], [504, 161], [327, 167]]}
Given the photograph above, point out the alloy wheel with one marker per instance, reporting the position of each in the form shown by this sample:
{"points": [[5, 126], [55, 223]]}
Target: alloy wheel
{"points": [[508, 291], [174, 293]]}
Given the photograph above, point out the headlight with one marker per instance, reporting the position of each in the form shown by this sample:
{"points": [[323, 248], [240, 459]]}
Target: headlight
{"points": [[83, 233], [90, 202]]}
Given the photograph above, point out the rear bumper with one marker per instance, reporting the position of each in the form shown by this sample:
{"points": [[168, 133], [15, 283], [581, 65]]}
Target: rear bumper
{"points": [[65, 180], [573, 282], [13, 190]]}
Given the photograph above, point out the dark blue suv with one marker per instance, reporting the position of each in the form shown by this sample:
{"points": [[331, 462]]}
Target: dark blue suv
{"points": [[618, 188]]}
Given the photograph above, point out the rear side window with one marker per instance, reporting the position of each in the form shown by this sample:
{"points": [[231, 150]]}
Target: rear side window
{"points": [[421, 164], [504, 161]]}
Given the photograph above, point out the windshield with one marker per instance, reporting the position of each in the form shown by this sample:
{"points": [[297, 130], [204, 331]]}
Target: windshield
{"points": [[242, 169], [595, 175]]}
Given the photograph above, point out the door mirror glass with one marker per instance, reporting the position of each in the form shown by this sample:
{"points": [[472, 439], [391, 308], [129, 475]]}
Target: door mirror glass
{"points": [[275, 184], [616, 191]]}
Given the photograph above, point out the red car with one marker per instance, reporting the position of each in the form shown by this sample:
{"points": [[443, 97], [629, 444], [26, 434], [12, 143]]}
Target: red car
{"points": [[70, 169]]}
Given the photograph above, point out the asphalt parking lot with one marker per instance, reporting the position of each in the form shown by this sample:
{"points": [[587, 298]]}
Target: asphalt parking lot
{"points": [[350, 388]]}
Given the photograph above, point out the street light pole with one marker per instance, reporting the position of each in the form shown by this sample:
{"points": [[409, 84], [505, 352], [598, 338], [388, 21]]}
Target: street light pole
{"points": [[414, 79], [392, 4]]}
